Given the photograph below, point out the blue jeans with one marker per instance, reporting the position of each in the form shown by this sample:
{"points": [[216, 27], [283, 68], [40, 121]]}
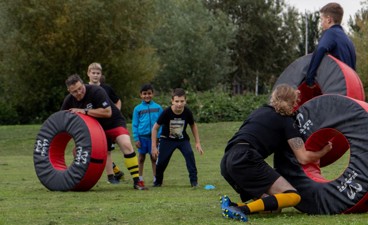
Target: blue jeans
{"points": [[166, 149]]}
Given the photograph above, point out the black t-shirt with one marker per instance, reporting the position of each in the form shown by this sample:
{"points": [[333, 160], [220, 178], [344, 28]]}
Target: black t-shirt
{"points": [[267, 131], [94, 98], [110, 92], [174, 126]]}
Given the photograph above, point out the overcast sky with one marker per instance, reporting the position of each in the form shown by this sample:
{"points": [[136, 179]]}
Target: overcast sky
{"points": [[350, 6]]}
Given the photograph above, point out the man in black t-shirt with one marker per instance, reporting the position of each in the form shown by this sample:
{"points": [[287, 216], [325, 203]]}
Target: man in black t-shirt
{"points": [[92, 100], [269, 129]]}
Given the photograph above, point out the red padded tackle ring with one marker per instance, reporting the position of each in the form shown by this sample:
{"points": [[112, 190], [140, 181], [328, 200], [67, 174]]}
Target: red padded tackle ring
{"points": [[49, 151], [338, 119]]}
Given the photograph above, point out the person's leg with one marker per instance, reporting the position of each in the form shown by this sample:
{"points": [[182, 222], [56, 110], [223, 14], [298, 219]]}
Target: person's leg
{"points": [[141, 160], [187, 151], [281, 195], [130, 159], [109, 171], [118, 174], [153, 164], [143, 150], [166, 149]]}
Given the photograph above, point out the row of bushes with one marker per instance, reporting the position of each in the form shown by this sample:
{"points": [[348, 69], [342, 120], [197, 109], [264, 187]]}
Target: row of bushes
{"points": [[207, 107], [218, 106]]}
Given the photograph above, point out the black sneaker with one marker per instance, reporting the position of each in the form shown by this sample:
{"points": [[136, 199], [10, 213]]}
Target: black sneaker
{"points": [[113, 181], [194, 184], [119, 175], [156, 184]]}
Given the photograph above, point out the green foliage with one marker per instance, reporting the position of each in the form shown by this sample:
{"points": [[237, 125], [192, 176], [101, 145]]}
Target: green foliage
{"points": [[42, 42], [359, 36], [218, 106], [265, 40], [8, 115], [192, 43], [313, 32]]}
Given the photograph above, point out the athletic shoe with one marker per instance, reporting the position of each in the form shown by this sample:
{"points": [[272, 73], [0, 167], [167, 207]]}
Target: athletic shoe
{"points": [[194, 184], [140, 186], [156, 184], [119, 175], [234, 212], [113, 181], [224, 201]]}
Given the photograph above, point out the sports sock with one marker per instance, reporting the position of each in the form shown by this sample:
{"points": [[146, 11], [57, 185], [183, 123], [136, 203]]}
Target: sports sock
{"points": [[272, 202], [131, 163], [115, 168]]}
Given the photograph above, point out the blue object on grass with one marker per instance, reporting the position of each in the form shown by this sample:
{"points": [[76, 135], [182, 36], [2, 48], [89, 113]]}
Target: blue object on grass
{"points": [[209, 187]]}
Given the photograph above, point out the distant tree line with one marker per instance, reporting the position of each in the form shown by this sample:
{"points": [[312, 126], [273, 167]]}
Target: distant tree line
{"points": [[200, 45]]}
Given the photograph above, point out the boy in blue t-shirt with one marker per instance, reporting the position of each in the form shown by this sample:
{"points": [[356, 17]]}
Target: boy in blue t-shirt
{"points": [[144, 116]]}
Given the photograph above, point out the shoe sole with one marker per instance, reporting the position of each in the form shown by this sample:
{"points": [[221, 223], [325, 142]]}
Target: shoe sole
{"points": [[226, 213]]}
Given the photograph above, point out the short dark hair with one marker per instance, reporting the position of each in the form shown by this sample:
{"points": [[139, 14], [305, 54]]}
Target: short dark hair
{"points": [[73, 79], [146, 87], [178, 92], [334, 10]]}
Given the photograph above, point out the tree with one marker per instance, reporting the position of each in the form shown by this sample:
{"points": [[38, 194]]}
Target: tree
{"points": [[192, 44], [309, 27], [45, 41], [359, 36], [266, 38]]}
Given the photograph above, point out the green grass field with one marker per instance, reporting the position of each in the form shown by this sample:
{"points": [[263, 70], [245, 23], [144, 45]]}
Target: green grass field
{"points": [[24, 200]]}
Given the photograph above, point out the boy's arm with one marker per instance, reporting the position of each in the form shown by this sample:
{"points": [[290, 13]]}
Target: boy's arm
{"points": [[195, 132], [154, 150], [135, 122]]}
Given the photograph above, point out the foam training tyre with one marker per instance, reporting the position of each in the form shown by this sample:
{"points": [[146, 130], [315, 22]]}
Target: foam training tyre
{"points": [[333, 77], [49, 151], [348, 192]]}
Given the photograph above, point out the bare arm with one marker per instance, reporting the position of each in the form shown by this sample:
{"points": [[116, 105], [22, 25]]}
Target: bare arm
{"points": [[118, 104], [303, 155], [154, 131], [97, 113], [194, 129]]}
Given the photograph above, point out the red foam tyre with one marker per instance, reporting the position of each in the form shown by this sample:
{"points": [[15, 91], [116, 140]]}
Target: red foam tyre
{"points": [[338, 119], [49, 152]]}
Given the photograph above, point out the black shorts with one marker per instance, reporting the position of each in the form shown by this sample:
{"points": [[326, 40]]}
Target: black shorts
{"points": [[247, 172]]}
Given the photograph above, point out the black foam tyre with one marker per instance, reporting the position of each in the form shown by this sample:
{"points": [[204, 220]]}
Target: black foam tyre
{"points": [[333, 77], [336, 115], [49, 152]]}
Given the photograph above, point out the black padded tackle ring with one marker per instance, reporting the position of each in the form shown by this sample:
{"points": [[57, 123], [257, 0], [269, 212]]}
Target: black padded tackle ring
{"points": [[49, 151], [333, 77], [348, 192]]}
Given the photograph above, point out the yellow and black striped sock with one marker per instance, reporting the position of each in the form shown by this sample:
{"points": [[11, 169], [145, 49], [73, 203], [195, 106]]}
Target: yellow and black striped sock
{"points": [[272, 202], [115, 168], [131, 163]]}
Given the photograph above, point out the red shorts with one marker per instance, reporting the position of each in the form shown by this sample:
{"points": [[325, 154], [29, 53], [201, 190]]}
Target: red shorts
{"points": [[116, 132]]}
